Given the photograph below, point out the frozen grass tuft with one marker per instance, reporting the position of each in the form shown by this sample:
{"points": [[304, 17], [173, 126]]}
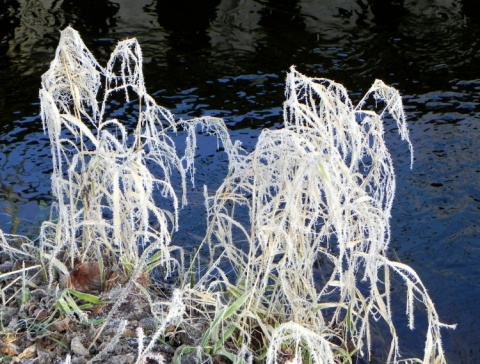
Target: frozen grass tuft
{"points": [[103, 186], [318, 194], [298, 232], [103, 175]]}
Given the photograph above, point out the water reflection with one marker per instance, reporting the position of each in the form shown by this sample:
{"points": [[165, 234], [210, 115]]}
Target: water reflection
{"points": [[470, 9], [187, 22], [95, 17], [387, 13], [9, 20], [281, 14], [284, 29]]}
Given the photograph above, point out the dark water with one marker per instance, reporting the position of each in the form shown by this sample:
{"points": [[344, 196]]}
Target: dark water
{"points": [[228, 58]]}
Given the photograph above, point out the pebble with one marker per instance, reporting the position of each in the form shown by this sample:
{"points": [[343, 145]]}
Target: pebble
{"points": [[77, 347]]}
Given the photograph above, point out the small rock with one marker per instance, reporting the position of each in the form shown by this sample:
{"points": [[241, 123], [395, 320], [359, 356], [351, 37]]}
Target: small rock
{"points": [[8, 314], [6, 267], [79, 360], [43, 357], [128, 358], [77, 347], [147, 324]]}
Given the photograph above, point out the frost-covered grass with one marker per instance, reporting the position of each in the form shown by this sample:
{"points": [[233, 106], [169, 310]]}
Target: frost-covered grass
{"points": [[310, 268]]}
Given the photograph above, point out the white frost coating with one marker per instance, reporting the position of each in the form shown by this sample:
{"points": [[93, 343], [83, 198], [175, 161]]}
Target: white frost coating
{"points": [[102, 176], [311, 266], [319, 195]]}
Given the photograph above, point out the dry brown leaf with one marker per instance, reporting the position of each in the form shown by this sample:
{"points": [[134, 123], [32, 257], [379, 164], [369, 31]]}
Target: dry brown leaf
{"points": [[27, 353], [9, 350], [144, 280], [97, 309], [85, 277], [113, 278], [62, 325]]}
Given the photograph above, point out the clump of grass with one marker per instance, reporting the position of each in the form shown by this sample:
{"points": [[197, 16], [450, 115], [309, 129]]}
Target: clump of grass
{"points": [[103, 186], [311, 265], [109, 177], [105, 176], [297, 233]]}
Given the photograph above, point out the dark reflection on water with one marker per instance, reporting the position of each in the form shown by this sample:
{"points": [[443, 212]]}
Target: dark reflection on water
{"points": [[91, 17], [187, 22], [228, 58]]}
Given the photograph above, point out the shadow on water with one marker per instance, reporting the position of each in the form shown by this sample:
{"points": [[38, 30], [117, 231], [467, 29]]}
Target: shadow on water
{"points": [[228, 58]]}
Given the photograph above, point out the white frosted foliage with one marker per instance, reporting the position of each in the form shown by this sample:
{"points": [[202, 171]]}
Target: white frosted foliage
{"points": [[298, 232], [319, 193]]}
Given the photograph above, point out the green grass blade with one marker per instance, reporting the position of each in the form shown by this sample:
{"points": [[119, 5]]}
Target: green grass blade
{"points": [[228, 311], [86, 297]]}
